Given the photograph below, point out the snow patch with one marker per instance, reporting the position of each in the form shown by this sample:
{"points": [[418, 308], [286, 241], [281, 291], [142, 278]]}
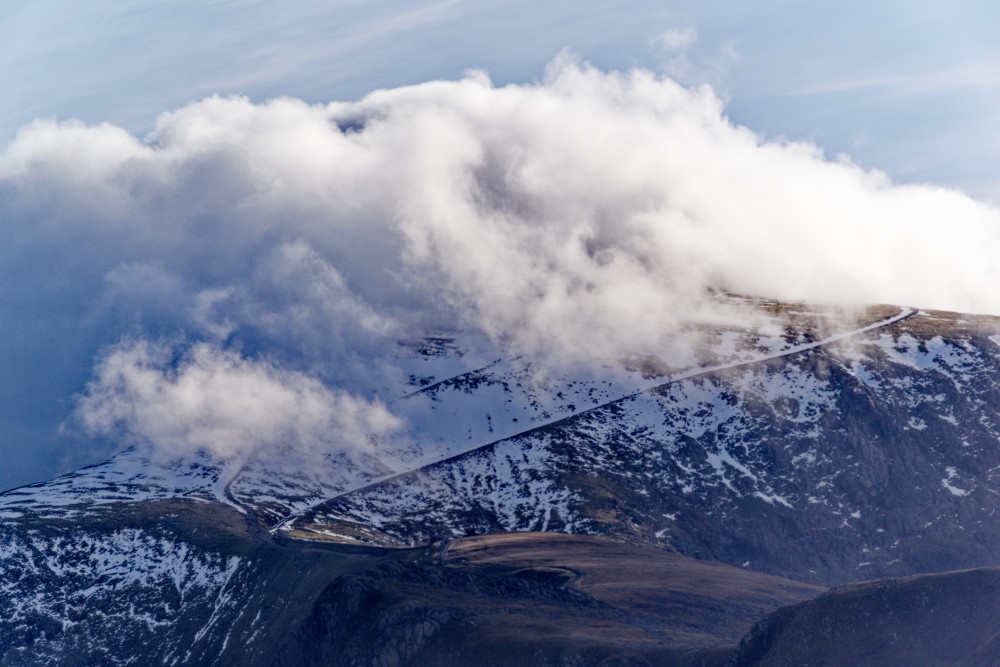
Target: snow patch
{"points": [[951, 475]]}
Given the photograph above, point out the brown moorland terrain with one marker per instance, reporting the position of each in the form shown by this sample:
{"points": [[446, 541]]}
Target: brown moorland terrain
{"points": [[540, 599]]}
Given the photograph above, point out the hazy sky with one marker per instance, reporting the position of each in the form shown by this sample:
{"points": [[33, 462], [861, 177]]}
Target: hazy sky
{"points": [[194, 255]]}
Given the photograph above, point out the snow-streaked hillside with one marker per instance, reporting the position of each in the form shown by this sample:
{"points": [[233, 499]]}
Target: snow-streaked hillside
{"points": [[462, 394], [872, 455]]}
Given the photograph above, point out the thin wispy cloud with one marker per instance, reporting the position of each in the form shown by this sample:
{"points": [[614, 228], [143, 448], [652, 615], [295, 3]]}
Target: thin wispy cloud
{"points": [[980, 75], [676, 39]]}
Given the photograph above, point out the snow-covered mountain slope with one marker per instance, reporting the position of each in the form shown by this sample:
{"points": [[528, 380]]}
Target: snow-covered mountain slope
{"points": [[460, 393], [98, 586], [872, 455], [131, 476], [450, 412]]}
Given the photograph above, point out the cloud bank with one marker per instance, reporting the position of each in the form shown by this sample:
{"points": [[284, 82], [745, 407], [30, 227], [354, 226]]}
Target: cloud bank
{"points": [[211, 398], [289, 245]]}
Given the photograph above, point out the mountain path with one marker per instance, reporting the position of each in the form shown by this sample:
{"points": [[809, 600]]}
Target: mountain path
{"points": [[905, 313]]}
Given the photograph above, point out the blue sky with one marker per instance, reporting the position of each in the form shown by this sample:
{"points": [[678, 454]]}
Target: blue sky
{"points": [[211, 241], [912, 88]]}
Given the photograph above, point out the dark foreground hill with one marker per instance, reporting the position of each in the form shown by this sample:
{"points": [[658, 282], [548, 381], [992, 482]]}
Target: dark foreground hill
{"points": [[182, 582], [938, 619], [538, 599]]}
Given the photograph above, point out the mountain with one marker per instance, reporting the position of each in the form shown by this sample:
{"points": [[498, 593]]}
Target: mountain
{"points": [[873, 454], [666, 505]]}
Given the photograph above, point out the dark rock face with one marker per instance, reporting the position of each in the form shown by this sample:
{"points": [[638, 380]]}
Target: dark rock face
{"points": [[419, 613], [945, 619], [362, 620]]}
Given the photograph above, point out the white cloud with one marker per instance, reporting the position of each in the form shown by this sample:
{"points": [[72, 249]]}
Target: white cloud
{"points": [[589, 215], [214, 400]]}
